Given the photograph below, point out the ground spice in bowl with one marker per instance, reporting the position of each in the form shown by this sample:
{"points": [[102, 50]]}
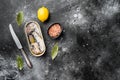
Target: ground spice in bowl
{"points": [[55, 30]]}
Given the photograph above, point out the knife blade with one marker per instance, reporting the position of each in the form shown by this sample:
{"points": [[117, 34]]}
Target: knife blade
{"points": [[17, 42], [19, 45]]}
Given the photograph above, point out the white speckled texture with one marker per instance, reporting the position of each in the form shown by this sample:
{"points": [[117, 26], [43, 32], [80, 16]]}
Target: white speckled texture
{"points": [[89, 47]]}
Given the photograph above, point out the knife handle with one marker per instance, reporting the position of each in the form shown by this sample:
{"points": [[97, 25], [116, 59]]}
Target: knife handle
{"points": [[26, 58]]}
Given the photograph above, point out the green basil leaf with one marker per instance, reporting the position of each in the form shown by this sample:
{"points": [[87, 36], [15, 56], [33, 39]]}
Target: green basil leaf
{"points": [[19, 62], [20, 18], [54, 51]]}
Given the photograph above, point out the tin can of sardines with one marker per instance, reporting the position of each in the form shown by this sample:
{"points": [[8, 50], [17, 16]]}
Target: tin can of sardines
{"points": [[35, 38]]}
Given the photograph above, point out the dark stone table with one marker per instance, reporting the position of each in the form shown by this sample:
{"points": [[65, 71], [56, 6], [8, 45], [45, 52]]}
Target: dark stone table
{"points": [[89, 47]]}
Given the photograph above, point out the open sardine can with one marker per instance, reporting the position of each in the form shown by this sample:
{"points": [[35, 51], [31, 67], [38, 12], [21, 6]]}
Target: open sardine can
{"points": [[35, 38]]}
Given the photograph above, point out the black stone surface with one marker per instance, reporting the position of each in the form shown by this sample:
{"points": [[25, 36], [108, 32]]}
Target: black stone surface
{"points": [[89, 48]]}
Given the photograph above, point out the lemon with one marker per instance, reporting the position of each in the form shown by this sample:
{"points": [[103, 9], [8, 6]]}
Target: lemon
{"points": [[43, 14]]}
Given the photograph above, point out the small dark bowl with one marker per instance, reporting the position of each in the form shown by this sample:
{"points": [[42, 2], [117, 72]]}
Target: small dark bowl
{"points": [[59, 33]]}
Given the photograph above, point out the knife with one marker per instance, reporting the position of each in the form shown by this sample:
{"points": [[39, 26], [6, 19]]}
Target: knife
{"points": [[19, 45]]}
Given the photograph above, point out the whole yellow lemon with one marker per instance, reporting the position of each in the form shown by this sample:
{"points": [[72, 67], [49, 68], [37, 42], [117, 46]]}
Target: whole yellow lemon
{"points": [[43, 14]]}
